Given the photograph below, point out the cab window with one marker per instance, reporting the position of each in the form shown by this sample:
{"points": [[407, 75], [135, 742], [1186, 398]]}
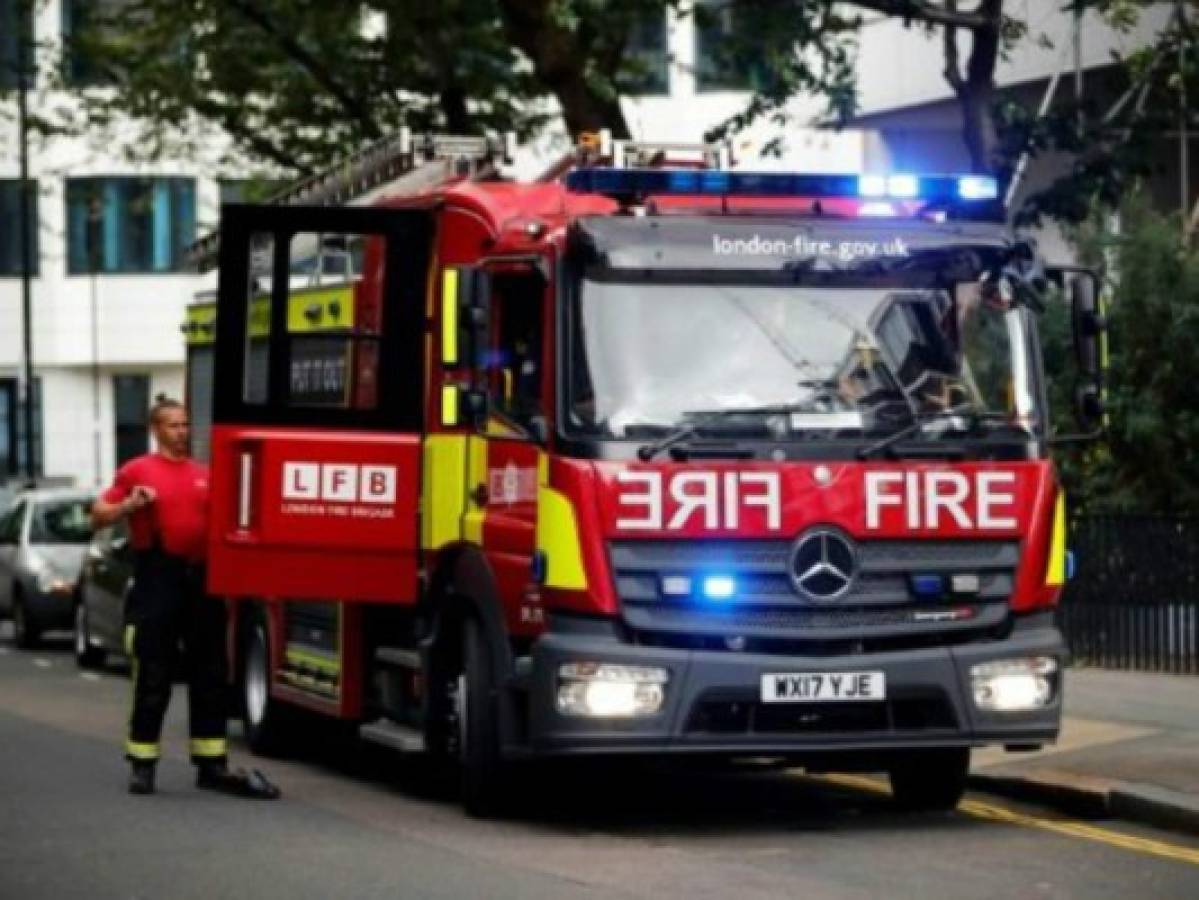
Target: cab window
{"points": [[514, 361]]}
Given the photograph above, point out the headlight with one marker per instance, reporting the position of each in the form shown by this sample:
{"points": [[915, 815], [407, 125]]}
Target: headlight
{"points": [[51, 582], [1014, 685], [607, 690]]}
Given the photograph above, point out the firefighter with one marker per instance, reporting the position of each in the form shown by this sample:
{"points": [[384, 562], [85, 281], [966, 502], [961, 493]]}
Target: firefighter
{"points": [[164, 495]]}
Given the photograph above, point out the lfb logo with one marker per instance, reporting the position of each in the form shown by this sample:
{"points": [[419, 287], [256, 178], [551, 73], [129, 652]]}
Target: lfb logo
{"points": [[339, 482]]}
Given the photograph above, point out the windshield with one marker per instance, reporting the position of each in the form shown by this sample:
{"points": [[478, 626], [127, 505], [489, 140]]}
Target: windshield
{"points": [[786, 360], [61, 522]]}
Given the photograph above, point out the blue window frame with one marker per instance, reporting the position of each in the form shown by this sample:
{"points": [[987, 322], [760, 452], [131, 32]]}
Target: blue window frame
{"points": [[647, 68], [724, 38], [14, 26], [10, 229], [129, 224]]}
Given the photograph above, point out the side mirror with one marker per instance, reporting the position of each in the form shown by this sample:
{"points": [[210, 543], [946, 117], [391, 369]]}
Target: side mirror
{"points": [[1088, 324], [1090, 348]]}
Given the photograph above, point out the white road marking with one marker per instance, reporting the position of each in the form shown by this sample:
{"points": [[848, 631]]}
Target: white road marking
{"points": [[91, 676], [4, 651], [42, 663]]}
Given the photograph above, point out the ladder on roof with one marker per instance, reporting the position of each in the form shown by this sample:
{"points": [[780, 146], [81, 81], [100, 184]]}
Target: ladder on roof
{"points": [[599, 150], [399, 164]]}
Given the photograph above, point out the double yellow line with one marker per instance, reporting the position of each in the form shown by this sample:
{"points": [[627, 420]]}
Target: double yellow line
{"points": [[992, 813]]}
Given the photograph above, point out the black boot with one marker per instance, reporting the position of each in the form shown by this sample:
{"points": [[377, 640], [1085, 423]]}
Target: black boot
{"points": [[141, 778], [253, 785]]}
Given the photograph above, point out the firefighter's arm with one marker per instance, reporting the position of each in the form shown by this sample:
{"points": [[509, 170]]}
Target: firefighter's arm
{"points": [[119, 501]]}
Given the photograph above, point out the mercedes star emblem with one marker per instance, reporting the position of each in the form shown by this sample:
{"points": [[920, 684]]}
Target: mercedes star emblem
{"points": [[823, 564]]}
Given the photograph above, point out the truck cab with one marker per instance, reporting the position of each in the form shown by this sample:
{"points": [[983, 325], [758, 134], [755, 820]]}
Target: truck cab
{"points": [[647, 461]]}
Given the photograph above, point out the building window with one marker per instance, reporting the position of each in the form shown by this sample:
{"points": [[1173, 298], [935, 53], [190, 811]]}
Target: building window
{"points": [[129, 224], [85, 26], [10, 231], [724, 47], [131, 415], [12, 429], [647, 68], [10, 33]]}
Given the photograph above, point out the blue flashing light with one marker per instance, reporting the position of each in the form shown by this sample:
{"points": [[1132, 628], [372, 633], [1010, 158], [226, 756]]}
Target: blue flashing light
{"points": [[637, 184], [903, 187], [719, 587], [926, 586], [1071, 565], [978, 187]]}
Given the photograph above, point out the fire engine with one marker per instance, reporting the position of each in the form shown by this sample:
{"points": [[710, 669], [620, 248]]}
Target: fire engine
{"points": [[650, 455]]}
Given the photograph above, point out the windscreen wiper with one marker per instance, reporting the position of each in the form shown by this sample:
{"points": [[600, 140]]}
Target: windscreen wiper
{"points": [[647, 452], [684, 433], [959, 412]]}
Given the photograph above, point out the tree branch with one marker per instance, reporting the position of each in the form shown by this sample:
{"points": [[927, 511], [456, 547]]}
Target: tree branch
{"points": [[953, 71], [319, 72], [921, 11]]}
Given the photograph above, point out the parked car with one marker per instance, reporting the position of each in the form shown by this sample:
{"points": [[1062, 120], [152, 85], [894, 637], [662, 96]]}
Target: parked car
{"points": [[43, 538], [100, 602]]}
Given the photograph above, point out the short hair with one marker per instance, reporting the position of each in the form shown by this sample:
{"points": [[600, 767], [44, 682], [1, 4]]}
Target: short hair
{"points": [[161, 404]]}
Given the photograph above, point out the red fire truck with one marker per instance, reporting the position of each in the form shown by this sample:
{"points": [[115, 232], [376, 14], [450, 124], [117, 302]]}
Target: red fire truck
{"points": [[647, 456]]}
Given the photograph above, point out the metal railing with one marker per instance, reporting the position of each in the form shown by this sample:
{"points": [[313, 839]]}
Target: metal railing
{"points": [[1134, 601]]}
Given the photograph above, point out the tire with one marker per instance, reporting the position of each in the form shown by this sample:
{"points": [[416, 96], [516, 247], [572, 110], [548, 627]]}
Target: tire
{"points": [[930, 780], [483, 772], [266, 720], [87, 655], [26, 634]]}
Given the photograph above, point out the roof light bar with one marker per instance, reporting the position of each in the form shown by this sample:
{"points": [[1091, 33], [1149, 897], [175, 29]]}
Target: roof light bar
{"points": [[634, 183]]}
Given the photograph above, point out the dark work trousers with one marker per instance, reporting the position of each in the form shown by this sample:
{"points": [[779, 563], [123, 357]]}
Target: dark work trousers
{"points": [[169, 614]]}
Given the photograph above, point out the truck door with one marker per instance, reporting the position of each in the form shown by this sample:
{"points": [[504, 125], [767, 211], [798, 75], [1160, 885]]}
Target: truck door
{"points": [[516, 381], [317, 406]]}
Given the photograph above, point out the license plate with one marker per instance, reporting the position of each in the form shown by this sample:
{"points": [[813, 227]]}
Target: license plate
{"points": [[822, 687]]}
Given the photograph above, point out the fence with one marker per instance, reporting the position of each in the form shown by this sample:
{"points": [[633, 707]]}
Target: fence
{"points": [[1134, 600]]}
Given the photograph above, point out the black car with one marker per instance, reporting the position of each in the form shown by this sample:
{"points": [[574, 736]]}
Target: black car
{"points": [[100, 601]]}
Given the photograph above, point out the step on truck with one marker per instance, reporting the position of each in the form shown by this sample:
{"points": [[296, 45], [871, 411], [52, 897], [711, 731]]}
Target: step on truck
{"points": [[650, 456]]}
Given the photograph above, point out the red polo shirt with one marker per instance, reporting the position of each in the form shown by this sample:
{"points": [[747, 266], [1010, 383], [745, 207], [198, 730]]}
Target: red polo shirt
{"points": [[179, 516]]}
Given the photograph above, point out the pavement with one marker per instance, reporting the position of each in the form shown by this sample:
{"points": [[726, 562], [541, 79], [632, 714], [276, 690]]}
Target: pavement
{"points": [[1129, 749]]}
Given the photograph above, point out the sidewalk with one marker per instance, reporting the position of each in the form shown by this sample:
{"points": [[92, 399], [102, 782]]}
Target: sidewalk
{"points": [[1129, 748]]}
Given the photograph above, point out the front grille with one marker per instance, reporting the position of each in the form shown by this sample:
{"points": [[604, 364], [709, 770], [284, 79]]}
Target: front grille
{"points": [[914, 712], [767, 604]]}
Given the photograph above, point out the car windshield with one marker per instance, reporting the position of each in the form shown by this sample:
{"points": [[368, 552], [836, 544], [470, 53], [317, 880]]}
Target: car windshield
{"points": [[61, 522], [791, 360]]}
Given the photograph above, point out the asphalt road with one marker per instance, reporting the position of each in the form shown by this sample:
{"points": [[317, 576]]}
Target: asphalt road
{"points": [[360, 822]]}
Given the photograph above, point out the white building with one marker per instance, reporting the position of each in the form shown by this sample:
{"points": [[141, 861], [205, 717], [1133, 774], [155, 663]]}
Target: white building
{"points": [[110, 287]]}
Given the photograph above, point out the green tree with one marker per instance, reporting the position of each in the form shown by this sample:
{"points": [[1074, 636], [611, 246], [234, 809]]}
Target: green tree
{"points": [[1149, 461]]}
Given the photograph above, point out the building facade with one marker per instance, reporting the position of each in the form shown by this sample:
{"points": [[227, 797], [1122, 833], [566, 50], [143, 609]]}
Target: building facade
{"points": [[110, 285]]}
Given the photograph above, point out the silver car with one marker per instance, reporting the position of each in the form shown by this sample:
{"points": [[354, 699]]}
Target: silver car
{"points": [[43, 538]]}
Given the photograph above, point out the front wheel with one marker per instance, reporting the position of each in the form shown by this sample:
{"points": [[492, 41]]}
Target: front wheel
{"points": [[266, 720], [930, 780], [87, 655], [25, 633], [477, 713]]}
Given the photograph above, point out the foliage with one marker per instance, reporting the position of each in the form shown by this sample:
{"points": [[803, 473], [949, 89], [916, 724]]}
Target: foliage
{"points": [[1110, 146], [298, 84], [1148, 463]]}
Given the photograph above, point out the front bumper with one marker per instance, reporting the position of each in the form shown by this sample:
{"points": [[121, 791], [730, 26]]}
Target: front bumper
{"points": [[48, 610], [712, 702]]}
